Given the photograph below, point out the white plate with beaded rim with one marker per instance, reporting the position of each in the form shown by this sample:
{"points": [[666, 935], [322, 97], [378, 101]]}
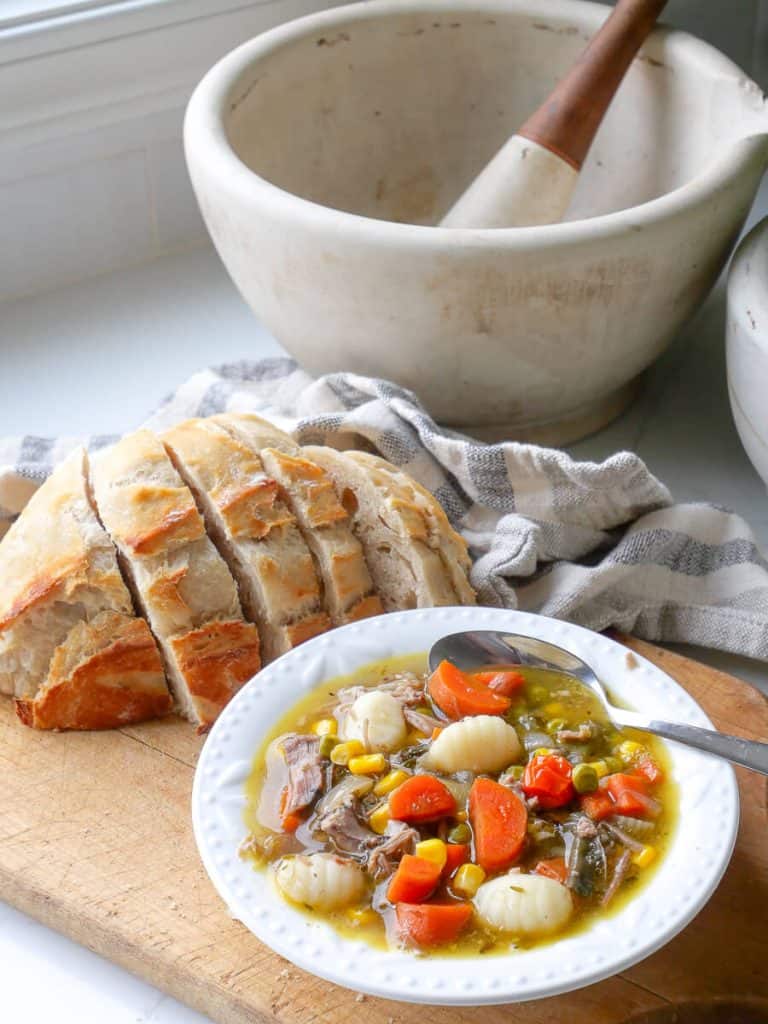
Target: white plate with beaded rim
{"points": [[697, 855]]}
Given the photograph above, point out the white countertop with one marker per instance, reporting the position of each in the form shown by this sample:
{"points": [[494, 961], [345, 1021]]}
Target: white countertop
{"points": [[97, 358]]}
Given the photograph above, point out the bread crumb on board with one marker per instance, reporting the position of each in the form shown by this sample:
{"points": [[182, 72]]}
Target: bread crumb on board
{"points": [[630, 660], [359, 998]]}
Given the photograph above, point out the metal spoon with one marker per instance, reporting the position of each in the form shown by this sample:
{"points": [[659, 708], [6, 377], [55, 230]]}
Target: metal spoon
{"points": [[476, 649]]}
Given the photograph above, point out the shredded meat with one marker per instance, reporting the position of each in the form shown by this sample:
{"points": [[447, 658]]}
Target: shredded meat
{"points": [[585, 732], [407, 690], [508, 779], [424, 723], [585, 828], [624, 838], [346, 831], [619, 874], [384, 859], [404, 687], [305, 773]]}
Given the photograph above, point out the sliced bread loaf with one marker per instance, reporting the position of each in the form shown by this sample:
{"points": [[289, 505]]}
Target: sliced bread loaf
{"points": [[178, 578], [397, 531], [254, 530], [449, 544], [71, 647], [310, 494]]}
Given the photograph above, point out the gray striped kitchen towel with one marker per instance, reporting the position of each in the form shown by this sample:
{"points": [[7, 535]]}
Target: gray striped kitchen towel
{"points": [[600, 544]]}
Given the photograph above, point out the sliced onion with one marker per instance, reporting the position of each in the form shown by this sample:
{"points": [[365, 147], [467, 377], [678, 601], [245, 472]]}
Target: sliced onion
{"points": [[350, 787]]}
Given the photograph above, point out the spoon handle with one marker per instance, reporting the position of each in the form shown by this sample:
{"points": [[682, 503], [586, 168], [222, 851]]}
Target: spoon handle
{"points": [[749, 753]]}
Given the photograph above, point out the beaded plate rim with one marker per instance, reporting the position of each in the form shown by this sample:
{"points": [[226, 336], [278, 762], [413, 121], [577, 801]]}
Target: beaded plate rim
{"points": [[669, 901]]}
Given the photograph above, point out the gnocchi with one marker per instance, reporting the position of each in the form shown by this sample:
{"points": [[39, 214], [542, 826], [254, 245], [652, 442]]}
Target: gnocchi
{"points": [[526, 905], [483, 743], [321, 881], [375, 719]]}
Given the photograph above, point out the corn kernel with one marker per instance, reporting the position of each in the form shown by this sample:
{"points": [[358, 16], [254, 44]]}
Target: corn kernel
{"points": [[367, 764], [555, 707], [544, 752], [600, 768], [434, 850], [413, 737], [645, 856], [461, 815], [468, 880], [343, 753], [324, 727], [379, 819], [630, 750], [390, 782], [360, 916]]}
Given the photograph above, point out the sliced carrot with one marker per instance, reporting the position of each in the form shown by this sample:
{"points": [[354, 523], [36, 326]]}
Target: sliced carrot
{"points": [[293, 819], [597, 805], [552, 867], [421, 798], [620, 781], [650, 769], [431, 924], [414, 881], [499, 820], [507, 682], [630, 795], [291, 822], [548, 777], [456, 855], [435, 732], [457, 694]]}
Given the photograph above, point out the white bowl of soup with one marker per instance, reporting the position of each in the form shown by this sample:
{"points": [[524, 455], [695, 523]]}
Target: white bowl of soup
{"points": [[454, 838]]}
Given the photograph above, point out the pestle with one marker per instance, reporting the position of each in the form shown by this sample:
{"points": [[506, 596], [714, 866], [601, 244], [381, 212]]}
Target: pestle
{"points": [[531, 178]]}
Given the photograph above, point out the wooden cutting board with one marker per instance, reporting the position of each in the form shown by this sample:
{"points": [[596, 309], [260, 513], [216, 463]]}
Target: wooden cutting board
{"points": [[95, 841]]}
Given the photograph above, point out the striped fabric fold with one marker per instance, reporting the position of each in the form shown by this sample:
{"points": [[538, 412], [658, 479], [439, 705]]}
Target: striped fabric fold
{"points": [[600, 544]]}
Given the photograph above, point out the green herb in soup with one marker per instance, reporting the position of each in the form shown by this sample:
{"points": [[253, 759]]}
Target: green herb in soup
{"points": [[459, 813]]}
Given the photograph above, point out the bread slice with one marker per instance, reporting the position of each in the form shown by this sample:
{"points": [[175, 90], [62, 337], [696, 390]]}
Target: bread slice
{"points": [[402, 535], [177, 576], [71, 647], [109, 673], [309, 492], [255, 532], [449, 544]]}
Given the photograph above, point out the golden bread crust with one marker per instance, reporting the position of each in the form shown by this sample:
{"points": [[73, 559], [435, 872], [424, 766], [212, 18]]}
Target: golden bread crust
{"points": [[216, 660], [180, 579], [148, 510], [414, 500], [246, 511], [365, 608], [59, 578], [232, 475], [305, 629], [48, 551], [108, 674]]}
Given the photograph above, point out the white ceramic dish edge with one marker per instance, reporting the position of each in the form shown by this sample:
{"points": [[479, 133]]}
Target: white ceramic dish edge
{"points": [[747, 344], [684, 881]]}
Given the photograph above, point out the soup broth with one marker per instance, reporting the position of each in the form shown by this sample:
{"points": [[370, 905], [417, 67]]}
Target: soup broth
{"points": [[594, 808]]}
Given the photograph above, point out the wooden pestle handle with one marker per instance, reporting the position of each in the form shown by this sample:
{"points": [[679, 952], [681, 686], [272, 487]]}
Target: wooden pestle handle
{"points": [[567, 121]]}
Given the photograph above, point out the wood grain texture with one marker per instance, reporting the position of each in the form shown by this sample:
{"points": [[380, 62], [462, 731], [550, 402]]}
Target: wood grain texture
{"points": [[95, 841]]}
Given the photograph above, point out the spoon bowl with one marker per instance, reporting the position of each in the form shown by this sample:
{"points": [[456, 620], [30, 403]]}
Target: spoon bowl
{"points": [[473, 650]]}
